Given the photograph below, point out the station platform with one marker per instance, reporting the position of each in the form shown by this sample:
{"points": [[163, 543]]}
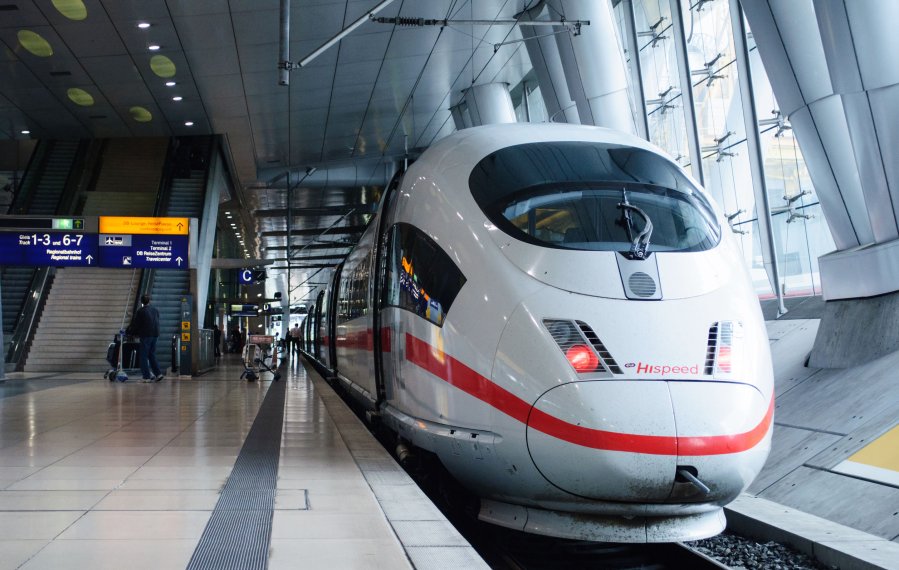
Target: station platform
{"points": [[202, 473]]}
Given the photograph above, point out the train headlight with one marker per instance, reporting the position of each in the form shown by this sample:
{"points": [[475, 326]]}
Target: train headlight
{"points": [[582, 358], [723, 353]]}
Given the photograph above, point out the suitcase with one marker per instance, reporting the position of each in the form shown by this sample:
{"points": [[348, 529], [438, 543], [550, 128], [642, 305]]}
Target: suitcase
{"points": [[130, 353]]}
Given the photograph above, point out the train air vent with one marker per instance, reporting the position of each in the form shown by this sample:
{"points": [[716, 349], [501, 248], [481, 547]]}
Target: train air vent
{"points": [[604, 355], [641, 284], [711, 349]]}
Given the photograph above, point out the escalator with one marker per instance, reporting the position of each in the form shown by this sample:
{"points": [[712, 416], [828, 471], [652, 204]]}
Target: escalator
{"points": [[54, 166], [185, 200]]}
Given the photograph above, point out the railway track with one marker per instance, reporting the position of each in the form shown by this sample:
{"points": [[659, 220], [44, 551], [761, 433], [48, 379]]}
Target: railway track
{"points": [[511, 550]]}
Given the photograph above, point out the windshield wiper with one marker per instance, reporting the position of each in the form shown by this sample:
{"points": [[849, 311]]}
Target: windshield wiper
{"points": [[640, 243]]}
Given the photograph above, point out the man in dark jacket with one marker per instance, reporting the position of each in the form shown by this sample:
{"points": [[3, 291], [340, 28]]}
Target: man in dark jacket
{"points": [[145, 324]]}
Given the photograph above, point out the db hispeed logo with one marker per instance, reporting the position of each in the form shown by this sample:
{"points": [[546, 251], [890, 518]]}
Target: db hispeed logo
{"points": [[663, 369]]}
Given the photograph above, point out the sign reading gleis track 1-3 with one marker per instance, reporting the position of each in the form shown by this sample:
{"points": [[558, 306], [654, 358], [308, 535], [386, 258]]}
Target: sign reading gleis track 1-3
{"points": [[107, 241]]}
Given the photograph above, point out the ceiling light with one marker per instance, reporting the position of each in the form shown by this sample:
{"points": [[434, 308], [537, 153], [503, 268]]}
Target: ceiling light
{"points": [[140, 114], [177, 98], [26, 132], [71, 9], [154, 47], [229, 216], [227, 212], [35, 43], [189, 124], [170, 84], [143, 25]]}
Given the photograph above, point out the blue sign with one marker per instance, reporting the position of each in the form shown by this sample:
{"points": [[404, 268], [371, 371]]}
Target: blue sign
{"points": [[57, 249], [143, 250], [246, 277]]}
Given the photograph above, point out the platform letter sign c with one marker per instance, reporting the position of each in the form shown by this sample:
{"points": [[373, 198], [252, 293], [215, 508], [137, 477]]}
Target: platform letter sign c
{"points": [[246, 276]]}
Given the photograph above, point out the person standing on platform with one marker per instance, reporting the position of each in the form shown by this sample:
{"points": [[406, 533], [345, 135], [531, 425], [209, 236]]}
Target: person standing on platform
{"points": [[295, 339], [145, 325], [217, 340]]}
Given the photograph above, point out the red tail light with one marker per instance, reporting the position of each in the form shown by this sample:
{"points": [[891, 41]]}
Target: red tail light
{"points": [[723, 362], [582, 358]]}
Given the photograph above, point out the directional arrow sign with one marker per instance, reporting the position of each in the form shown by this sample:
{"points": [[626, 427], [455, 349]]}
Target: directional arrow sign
{"points": [[129, 225], [56, 249], [154, 251]]}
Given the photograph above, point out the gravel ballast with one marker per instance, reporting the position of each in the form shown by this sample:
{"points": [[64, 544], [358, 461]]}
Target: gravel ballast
{"points": [[739, 552]]}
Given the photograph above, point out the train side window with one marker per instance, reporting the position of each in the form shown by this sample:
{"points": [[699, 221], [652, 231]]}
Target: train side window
{"points": [[421, 277]]}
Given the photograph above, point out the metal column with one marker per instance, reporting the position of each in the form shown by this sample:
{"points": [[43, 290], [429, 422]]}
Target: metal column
{"points": [[633, 46], [686, 86], [754, 145]]}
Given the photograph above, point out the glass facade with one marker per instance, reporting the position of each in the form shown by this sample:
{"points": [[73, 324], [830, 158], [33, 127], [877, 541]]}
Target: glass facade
{"points": [[800, 233]]}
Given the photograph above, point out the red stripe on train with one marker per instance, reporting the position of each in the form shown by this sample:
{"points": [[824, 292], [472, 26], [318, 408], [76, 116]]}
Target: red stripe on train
{"points": [[464, 378], [364, 340]]}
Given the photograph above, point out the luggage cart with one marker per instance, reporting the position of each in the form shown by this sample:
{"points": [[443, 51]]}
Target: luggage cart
{"points": [[255, 355], [122, 355]]}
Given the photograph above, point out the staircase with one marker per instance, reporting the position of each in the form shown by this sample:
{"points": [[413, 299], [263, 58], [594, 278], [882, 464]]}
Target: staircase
{"points": [[129, 178], [170, 285], [83, 313]]}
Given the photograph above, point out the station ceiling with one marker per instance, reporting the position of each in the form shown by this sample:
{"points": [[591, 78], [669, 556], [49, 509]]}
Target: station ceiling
{"points": [[380, 91]]}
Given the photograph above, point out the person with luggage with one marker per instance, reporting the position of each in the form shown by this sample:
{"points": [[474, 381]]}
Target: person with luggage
{"points": [[145, 325]]}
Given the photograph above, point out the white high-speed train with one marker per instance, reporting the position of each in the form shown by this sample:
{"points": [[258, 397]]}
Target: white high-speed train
{"points": [[558, 314]]}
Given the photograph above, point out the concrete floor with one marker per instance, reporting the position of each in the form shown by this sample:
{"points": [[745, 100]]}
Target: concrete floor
{"points": [[822, 418]]}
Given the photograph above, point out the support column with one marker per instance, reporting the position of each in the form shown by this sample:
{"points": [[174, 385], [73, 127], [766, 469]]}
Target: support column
{"points": [[833, 67], [594, 65], [789, 43], [686, 87], [490, 104], [633, 47], [547, 63], [756, 160]]}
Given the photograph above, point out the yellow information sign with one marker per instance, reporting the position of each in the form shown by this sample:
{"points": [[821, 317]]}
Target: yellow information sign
{"points": [[185, 325], [129, 225], [185, 337]]}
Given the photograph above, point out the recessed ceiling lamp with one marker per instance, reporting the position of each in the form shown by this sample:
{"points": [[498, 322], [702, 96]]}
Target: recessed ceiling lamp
{"points": [[26, 132], [140, 114], [34, 43], [188, 123], [162, 66], [80, 97], [154, 47], [143, 25], [177, 98], [71, 9]]}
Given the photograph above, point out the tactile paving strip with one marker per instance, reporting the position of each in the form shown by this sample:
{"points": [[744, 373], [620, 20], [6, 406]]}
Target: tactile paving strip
{"points": [[239, 532]]}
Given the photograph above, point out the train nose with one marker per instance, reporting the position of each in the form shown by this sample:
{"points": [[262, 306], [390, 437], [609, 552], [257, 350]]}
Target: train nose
{"points": [[619, 451], [625, 442]]}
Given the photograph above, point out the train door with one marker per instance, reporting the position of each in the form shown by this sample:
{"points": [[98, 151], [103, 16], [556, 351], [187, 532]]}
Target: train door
{"points": [[317, 323], [329, 324], [385, 319]]}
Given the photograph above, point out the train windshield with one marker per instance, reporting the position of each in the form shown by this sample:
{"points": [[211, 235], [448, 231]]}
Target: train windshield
{"points": [[593, 196]]}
